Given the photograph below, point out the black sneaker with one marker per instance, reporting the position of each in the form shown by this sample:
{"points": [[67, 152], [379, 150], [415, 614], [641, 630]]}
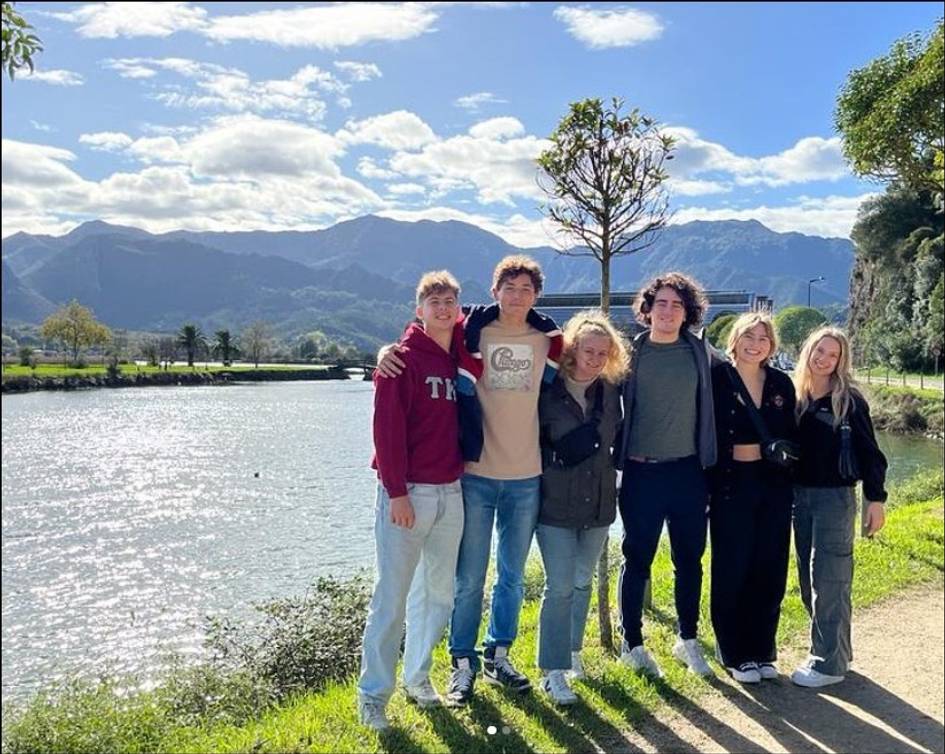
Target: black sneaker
{"points": [[497, 669], [462, 680]]}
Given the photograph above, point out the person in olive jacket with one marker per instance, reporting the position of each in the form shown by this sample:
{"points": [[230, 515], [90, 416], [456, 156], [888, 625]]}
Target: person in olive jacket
{"points": [[579, 414]]}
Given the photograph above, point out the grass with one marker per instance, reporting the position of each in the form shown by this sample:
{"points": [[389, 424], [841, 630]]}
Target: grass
{"points": [[877, 376], [614, 700], [58, 370], [907, 409]]}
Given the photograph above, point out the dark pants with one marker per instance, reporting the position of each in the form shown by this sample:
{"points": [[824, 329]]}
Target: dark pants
{"points": [[750, 524], [653, 493], [824, 521]]}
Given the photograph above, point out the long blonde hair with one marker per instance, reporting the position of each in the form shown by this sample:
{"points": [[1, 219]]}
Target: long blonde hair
{"points": [[595, 322], [842, 383], [743, 324]]}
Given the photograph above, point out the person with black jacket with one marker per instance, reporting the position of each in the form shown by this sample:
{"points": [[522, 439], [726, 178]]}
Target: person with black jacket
{"points": [[751, 498], [838, 448], [579, 414]]}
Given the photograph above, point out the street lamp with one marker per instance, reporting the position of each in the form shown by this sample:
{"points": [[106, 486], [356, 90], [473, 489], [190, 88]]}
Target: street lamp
{"points": [[809, 284]]}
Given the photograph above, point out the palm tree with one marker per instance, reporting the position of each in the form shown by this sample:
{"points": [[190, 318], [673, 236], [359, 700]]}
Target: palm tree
{"points": [[224, 347], [190, 338]]}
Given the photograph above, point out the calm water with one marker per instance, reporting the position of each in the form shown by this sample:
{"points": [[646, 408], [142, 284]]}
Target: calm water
{"points": [[128, 515]]}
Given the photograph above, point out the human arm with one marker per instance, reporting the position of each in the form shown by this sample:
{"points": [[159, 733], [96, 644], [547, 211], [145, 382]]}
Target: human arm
{"points": [[389, 363], [870, 458], [401, 511], [391, 407], [874, 517]]}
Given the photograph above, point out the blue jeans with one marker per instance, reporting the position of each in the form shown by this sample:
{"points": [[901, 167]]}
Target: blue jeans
{"points": [[512, 506], [414, 579], [569, 557]]}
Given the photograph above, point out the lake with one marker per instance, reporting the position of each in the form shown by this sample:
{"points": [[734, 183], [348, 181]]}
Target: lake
{"points": [[129, 515]]}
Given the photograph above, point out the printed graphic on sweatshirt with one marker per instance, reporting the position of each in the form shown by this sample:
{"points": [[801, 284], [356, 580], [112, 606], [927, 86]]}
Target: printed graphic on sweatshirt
{"points": [[442, 387], [510, 367]]}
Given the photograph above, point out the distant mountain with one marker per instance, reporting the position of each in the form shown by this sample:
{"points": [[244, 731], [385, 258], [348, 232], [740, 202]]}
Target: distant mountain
{"points": [[355, 280]]}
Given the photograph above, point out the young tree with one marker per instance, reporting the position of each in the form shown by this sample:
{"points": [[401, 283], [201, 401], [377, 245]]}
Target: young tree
{"points": [[150, 350], [224, 348], [191, 339], [890, 114], [255, 341], [167, 350], [795, 323], [604, 176], [19, 44], [76, 327]]}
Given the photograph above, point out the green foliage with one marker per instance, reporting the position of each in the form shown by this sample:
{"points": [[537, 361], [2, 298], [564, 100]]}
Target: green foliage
{"points": [[76, 327], [890, 114], [719, 330], [795, 323], [26, 356], [19, 44], [604, 176], [191, 338], [224, 347], [904, 410]]}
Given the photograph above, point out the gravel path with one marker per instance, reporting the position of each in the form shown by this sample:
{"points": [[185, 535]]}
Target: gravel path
{"points": [[892, 700]]}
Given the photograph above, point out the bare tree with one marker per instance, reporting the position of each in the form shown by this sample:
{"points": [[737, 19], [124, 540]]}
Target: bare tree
{"points": [[256, 341]]}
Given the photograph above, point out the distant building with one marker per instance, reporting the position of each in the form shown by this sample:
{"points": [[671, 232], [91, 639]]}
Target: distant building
{"points": [[562, 306]]}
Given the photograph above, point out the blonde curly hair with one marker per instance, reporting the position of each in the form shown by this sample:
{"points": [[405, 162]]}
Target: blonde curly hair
{"points": [[595, 322]]}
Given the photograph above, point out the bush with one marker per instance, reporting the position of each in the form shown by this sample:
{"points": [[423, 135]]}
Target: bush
{"points": [[26, 356], [303, 642]]}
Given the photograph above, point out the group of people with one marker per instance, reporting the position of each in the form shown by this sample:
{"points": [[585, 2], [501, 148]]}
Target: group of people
{"points": [[490, 418]]}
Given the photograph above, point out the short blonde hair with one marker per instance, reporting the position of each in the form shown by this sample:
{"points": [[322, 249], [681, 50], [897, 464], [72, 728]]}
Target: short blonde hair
{"points": [[744, 323], [438, 281], [595, 322], [518, 264]]}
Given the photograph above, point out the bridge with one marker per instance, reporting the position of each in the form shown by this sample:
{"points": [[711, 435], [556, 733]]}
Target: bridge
{"points": [[562, 306]]}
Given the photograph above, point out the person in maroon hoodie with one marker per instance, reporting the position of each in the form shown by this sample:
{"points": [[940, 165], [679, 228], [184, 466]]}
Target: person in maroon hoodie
{"points": [[419, 511]]}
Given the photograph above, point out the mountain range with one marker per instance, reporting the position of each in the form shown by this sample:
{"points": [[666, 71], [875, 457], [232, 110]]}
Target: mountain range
{"points": [[354, 280]]}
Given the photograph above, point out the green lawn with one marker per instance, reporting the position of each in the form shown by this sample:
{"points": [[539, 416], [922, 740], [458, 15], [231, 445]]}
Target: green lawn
{"points": [[908, 552]]}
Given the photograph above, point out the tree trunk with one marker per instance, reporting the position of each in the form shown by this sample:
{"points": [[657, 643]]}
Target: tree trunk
{"points": [[603, 565]]}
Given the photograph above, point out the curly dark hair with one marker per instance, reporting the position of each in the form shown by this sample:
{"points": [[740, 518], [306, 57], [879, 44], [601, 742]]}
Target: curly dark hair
{"points": [[688, 289]]}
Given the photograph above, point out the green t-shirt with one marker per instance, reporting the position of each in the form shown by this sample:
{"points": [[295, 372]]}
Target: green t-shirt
{"points": [[664, 418]]}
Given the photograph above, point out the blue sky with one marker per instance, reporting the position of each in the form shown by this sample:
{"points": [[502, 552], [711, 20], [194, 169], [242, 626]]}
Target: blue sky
{"points": [[238, 116]]}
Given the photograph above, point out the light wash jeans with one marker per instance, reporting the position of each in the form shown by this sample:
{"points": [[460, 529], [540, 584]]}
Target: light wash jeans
{"points": [[512, 505], [415, 572], [569, 557], [824, 524]]}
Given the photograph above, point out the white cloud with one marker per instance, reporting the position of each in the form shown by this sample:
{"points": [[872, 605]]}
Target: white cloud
{"points": [[327, 27], [403, 189], [358, 71], [152, 149], [135, 19], [56, 77], [811, 159], [682, 187], [232, 90], [497, 128], [36, 165], [41, 126], [106, 141], [500, 171], [830, 216], [517, 230], [128, 69], [617, 26], [370, 169], [397, 130], [472, 102]]}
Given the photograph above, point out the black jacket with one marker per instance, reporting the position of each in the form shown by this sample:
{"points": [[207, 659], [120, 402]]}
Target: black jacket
{"points": [[585, 495]]}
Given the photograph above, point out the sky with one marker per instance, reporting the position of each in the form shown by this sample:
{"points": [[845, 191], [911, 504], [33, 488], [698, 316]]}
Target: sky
{"points": [[281, 116]]}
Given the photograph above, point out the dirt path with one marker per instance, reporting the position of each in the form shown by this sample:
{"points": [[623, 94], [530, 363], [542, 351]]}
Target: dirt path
{"points": [[892, 700]]}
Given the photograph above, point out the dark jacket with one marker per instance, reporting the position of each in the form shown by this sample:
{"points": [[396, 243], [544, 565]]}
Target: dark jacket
{"points": [[705, 421], [585, 495], [734, 425]]}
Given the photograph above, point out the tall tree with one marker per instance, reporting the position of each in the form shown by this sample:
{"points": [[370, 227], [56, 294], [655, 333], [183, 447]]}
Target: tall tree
{"points": [[75, 326], [795, 323], [604, 175], [19, 43], [892, 117], [256, 341], [224, 348], [191, 339]]}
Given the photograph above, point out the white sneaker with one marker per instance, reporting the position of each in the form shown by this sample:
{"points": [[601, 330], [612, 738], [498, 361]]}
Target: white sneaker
{"points": [[641, 661], [423, 694], [747, 672], [688, 652], [555, 684], [577, 667], [768, 670], [372, 715], [813, 679]]}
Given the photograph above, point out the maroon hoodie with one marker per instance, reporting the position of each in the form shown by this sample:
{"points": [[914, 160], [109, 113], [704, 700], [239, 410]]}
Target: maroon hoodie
{"points": [[416, 425]]}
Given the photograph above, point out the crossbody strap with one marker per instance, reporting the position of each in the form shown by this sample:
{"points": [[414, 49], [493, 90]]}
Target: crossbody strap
{"points": [[753, 413]]}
